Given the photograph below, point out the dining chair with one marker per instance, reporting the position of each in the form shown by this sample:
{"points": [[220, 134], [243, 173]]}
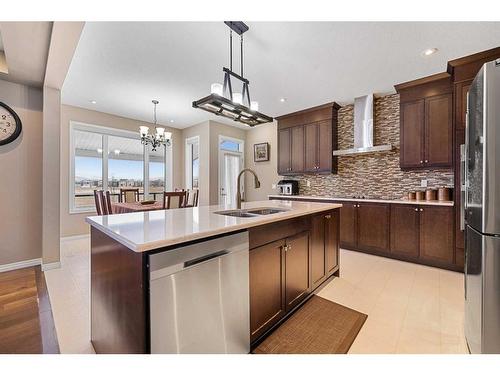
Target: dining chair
{"points": [[108, 203], [98, 198], [174, 199], [129, 195], [192, 198]]}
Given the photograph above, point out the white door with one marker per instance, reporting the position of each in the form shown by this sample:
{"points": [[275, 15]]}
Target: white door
{"points": [[231, 164]]}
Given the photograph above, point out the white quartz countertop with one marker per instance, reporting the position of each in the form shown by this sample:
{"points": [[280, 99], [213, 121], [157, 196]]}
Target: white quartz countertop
{"points": [[400, 201], [143, 231]]}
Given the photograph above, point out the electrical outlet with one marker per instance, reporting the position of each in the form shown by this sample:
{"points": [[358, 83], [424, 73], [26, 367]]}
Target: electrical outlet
{"points": [[423, 183], [308, 183]]}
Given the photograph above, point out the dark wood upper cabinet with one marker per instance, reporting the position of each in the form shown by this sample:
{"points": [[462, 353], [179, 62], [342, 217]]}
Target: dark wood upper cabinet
{"points": [[297, 149], [412, 134], [311, 138], [460, 91], [404, 230], [373, 226], [267, 288], [436, 234], [426, 122], [439, 131], [284, 151]]}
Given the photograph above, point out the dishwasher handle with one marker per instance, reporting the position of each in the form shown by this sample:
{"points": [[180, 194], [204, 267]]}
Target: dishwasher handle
{"points": [[204, 258]]}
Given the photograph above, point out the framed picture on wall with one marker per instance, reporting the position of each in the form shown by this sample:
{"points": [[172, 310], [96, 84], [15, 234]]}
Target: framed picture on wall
{"points": [[261, 152]]}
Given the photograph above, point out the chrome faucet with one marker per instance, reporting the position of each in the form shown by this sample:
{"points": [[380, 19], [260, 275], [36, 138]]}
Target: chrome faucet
{"points": [[238, 187]]}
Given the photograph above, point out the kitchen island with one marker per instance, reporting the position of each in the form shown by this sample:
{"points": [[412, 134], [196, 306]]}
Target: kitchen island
{"points": [[206, 279]]}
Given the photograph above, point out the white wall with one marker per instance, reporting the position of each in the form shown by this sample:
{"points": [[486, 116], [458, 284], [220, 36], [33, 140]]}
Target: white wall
{"points": [[201, 130], [266, 170], [21, 178]]}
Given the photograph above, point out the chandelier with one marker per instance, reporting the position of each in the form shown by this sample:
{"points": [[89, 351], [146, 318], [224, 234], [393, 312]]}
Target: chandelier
{"points": [[160, 137], [223, 101]]}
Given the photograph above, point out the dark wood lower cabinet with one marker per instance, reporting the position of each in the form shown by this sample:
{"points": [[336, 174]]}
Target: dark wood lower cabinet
{"points": [[436, 234], [288, 260], [297, 283], [267, 288], [417, 233], [324, 246], [348, 224], [318, 259], [405, 230], [373, 226], [332, 226]]}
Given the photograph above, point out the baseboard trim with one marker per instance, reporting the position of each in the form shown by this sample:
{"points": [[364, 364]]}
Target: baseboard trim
{"points": [[19, 265], [74, 238], [50, 266]]}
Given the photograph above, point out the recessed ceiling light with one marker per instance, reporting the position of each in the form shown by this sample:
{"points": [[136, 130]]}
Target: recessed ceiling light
{"points": [[171, 120], [430, 51], [282, 100], [93, 102]]}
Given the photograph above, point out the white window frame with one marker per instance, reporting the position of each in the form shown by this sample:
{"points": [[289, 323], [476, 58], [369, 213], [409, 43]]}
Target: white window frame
{"points": [[241, 153], [188, 167], [105, 132]]}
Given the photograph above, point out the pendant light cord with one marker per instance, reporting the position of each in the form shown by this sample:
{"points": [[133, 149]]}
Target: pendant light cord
{"points": [[231, 50], [241, 56]]}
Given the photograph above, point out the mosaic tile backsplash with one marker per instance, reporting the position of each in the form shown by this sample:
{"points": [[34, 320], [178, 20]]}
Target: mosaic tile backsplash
{"points": [[375, 175]]}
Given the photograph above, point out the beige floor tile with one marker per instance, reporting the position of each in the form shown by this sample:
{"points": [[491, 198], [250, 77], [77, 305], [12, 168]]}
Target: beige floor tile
{"points": [[419, 341]]}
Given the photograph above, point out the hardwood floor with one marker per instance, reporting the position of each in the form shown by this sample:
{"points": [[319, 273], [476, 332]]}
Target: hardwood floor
{"points": [[26, 323]]}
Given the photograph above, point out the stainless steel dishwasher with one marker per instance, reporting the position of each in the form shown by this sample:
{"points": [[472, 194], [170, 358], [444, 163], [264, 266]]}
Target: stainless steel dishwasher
{"points": [[199, 297]]}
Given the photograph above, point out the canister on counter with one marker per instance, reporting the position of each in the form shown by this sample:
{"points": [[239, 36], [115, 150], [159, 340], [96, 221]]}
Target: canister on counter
{"points": [[444, 193], [420, 195], [411, 196], [430, 194]]}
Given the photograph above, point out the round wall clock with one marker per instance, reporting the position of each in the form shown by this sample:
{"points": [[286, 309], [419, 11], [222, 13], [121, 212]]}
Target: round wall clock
{"points": [[10, 124]]}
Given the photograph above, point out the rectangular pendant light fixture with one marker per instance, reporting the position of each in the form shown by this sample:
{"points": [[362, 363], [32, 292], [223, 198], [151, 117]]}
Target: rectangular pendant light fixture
{"points": [[224, 104]]}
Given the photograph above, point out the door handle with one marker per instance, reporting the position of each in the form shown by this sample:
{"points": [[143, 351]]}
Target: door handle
{"points": [[217, 254]]}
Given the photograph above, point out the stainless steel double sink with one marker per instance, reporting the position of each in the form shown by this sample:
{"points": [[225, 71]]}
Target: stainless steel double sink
{"points": [[252, 212]]}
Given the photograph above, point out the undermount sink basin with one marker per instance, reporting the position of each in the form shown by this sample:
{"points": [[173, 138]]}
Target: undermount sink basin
{"points": [[237, 213], [253, 212], [266, 210]]}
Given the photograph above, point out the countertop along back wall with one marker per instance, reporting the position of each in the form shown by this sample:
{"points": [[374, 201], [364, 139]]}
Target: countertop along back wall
{"points": [[74, 224]]}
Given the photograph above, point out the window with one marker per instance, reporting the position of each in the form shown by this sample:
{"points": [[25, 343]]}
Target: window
{"points": [[157, 169], [193, 162], [125, 165], [88, 168], [110, 159]]}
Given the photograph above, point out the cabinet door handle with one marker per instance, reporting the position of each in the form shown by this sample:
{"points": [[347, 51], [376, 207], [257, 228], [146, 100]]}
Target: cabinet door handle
{"points": [[421, 209], [416, 209], [427, 161], [328, 216], [421, 162], [285, 247]]}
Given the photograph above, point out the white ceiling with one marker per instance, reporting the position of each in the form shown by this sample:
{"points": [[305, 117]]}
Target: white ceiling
{"points": [[26, 46], [123, 65]]}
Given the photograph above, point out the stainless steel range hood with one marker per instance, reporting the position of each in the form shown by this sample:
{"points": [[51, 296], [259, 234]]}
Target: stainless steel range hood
{"points": [[363, 129]]}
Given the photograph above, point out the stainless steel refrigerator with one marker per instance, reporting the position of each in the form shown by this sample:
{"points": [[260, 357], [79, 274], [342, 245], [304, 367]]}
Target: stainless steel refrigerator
{"points": [[482, 212]]}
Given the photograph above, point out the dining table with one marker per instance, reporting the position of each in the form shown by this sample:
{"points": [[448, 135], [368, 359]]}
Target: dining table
{"points": [[126, 207]]}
